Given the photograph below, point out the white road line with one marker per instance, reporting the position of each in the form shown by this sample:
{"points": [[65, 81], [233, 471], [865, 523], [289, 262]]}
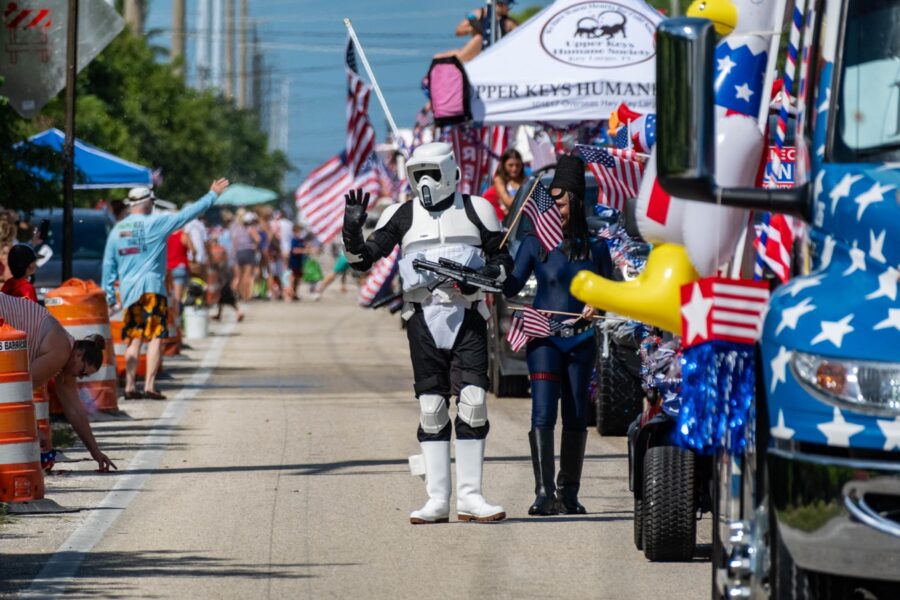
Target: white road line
{"points": [[61, 568]]}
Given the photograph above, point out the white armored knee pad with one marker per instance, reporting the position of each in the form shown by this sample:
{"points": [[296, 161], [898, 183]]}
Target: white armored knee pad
{"points": [[472, 406], [434, 415]]}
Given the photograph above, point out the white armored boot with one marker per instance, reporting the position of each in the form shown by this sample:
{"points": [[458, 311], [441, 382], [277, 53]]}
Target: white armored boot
{"points": [[470, 504], [437, 485]]}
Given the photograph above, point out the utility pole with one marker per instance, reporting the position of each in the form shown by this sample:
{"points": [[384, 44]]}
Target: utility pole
{"points": [[68, 241], [216, 33], [203, 44], [243, 65], [257, 76], [229, 49], [134, 16], [179, 35], [674, 8]]}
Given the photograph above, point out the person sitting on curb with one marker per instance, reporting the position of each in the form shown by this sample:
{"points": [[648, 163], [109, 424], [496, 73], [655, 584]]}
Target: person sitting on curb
{"points": [[135, 255], [54, 355]]}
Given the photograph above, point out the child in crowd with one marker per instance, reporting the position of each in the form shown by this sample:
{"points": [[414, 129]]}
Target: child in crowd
{"points": [[22, 264]]}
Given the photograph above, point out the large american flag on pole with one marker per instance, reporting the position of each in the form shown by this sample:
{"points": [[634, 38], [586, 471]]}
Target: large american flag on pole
{"points": [[618, 171], [320, 197], [531, 323], [545, 218]]}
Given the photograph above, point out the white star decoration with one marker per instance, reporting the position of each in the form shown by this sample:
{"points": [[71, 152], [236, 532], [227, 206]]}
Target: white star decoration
{"points": [[876, 245], [842, 189], [893, 320], [887, 285], [695, 313], [743, 92], [781, 431], [790, 316], [891, 431], [725, 65], [871, 196], [834, 331], [818, 188], [838, 432], [857, 260], [801, 283], [827, 251], [779, 367]]}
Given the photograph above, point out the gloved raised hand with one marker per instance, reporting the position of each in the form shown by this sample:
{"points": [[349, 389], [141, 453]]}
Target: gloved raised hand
{"points": [[355, 213]]}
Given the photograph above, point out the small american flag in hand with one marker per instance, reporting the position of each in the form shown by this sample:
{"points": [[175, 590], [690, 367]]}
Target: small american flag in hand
{"points": [[545, 217]]}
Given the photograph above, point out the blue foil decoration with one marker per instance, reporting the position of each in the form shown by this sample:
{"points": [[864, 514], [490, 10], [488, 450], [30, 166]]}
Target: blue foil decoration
{"points": [[717, 387]]}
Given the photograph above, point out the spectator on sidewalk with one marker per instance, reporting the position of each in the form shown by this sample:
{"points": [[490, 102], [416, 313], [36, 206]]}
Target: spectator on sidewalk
{"points": [[178, 247], [22, 265], [53, 355], [198, 233], [244, 239], [220, 264], [135, 256]]}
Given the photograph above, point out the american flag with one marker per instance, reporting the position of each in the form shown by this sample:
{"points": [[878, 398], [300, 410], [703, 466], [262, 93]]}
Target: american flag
{"points": [[380, 276], [531, 323], [545, 217], [320, 198], [618, 172], [773, 246]]}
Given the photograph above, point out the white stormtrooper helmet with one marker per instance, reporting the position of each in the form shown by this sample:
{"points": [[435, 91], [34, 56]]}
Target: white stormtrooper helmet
{"points": [[433, 173]]}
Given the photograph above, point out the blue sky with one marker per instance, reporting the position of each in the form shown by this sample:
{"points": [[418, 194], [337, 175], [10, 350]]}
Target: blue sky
{"points": [[303, 41]]}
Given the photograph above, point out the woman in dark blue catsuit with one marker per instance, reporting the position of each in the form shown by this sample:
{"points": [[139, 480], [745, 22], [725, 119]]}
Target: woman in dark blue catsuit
{"points": [[560, 366]]}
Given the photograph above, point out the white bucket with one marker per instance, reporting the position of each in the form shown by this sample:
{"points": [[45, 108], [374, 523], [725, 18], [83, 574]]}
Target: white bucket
{"points": [[196, 322]]}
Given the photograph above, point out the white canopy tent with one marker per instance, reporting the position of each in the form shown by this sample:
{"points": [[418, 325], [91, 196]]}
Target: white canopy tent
{"points": [[574, 61]]}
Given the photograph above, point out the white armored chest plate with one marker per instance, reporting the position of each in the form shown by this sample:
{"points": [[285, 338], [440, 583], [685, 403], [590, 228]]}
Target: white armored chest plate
{"points": [[450, 226]]}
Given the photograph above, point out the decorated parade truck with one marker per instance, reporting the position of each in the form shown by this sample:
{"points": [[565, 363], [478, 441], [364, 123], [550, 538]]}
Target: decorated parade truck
{"points": [[808, 504]]}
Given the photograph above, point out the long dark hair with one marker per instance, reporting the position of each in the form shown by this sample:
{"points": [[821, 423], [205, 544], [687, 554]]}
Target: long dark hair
{"points": [[512, 153], [92, 348], [577, 236]]}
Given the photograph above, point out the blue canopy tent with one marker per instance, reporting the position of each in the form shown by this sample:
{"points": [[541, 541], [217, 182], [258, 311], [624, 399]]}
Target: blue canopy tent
{"points": [[96, 168]]}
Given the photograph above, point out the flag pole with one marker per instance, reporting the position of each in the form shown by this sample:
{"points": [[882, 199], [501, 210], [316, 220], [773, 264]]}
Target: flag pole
{"points": [[519, 214], [368, 68], [567, 314]]}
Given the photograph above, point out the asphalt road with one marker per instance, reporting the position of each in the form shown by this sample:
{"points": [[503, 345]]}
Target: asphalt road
{"points": [[286, 476]]}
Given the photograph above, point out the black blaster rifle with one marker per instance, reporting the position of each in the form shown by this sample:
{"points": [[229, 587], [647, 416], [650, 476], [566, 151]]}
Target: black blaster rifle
{"points": [[449, 270]]}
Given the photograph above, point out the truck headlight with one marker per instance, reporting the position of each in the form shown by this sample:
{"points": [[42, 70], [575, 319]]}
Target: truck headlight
{"points": [[869, 387]]}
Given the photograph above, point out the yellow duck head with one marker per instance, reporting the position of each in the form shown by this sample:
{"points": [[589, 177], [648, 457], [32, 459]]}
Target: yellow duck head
{"points": [[654, 297], [722, 13]]}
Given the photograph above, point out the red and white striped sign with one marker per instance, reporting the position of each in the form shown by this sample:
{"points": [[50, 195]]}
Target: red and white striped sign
{"points": [[718, 308]]}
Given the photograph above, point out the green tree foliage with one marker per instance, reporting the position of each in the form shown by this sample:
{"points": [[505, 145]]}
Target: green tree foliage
{"points": [[138, 108]]}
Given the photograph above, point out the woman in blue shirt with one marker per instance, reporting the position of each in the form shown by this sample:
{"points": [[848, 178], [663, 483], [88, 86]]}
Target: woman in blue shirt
{"points": [[560, 366]]}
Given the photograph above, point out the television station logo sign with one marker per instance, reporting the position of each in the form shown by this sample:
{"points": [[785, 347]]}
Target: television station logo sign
{"points": [[33, 47], [599, 35], [783, 176]]}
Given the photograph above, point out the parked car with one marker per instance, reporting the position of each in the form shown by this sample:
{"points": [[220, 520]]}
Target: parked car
{"points": [[91, 228]]}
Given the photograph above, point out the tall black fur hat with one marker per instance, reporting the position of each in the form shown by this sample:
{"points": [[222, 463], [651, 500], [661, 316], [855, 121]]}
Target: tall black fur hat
{"points": [[569, 175]]}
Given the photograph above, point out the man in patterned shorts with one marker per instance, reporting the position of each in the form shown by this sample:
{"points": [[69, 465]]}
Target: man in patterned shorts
{"points": [[136, 257]]}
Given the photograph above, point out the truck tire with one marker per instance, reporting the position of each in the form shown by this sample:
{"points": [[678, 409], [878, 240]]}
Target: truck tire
{"points": [[670, 504], [618, 396], [638, 523]]}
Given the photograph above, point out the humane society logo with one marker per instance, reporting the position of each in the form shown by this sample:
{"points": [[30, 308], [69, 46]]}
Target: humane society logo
{"points": [[599, 35]]}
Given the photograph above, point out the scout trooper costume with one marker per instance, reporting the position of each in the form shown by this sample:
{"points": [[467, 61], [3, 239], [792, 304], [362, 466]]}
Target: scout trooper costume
{"points": [[445, 324]]}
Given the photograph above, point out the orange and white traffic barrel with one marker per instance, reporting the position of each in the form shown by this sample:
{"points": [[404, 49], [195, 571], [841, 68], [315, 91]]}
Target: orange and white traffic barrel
{"points": [[21, 477], [117, 325], [41, 401], [80, 307]]}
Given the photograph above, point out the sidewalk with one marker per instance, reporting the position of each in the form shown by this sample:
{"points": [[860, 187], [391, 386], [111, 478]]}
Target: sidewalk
{"points": [[27, 541]]}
